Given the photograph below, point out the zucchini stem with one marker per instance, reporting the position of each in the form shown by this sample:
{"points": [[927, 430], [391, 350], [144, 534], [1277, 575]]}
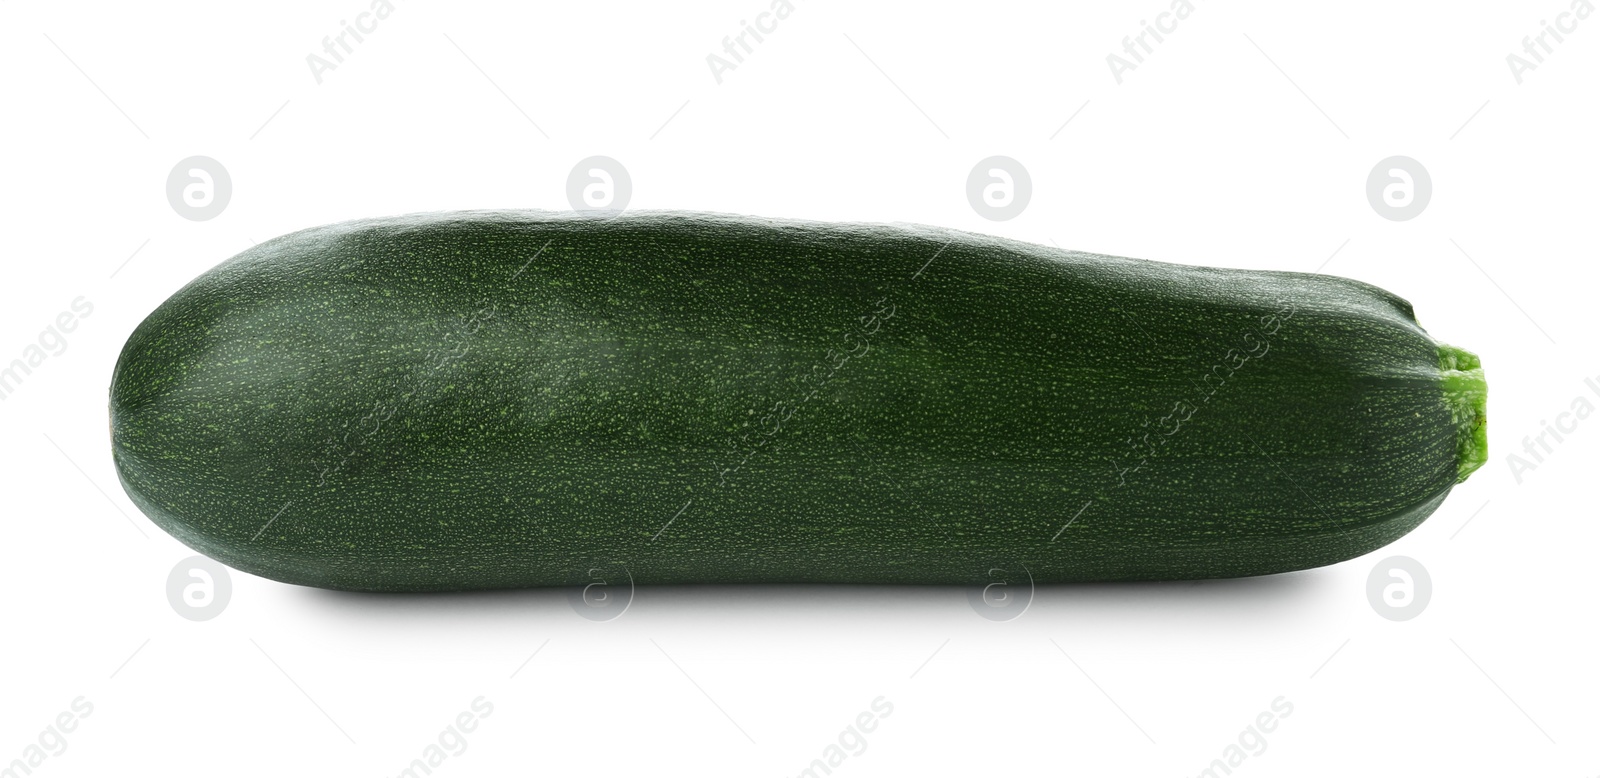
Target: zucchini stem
{"points": [[1466, 394]]}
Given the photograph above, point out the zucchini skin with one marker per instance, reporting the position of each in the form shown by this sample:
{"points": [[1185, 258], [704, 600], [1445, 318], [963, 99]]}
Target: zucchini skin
{"points": [[501, 399]]}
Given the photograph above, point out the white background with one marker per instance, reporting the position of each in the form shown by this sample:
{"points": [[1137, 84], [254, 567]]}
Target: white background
{"points": [[1243, 140]]}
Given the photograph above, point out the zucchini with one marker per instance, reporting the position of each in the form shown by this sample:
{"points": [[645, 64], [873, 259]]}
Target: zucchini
{"points": [[495, 399]]}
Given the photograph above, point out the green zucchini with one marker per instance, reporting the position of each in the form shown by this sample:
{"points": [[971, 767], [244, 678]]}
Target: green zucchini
{"points": [[491, 399]]}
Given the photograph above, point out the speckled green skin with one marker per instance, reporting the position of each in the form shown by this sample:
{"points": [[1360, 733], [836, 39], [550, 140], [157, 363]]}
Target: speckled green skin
{"points": [[505, 399]]}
